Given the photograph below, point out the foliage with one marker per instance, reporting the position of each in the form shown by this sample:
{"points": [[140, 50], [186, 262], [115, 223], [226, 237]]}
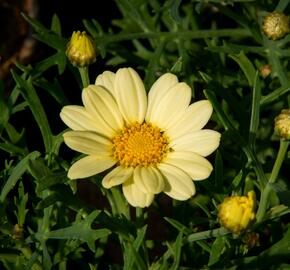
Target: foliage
{"points": [[218, 48]]}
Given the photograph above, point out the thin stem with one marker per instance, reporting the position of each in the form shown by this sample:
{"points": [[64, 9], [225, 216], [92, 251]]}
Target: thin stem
{"points": [[84, 72], [279, 160], [207, 234], [274, 174]]}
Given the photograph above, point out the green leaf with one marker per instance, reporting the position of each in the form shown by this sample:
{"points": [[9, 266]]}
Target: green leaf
{"points": [[255, 111], [28, 92], [13, 134], [55, 25], [17, 172], [173, 6], [38, 169], [276, 94], [80, 230], [176, 224], [38, 27], [53, 88], [4, 108], [177, 252], [131, 256], [217, 249], [246, 66], [58, 59], [51, 180]]}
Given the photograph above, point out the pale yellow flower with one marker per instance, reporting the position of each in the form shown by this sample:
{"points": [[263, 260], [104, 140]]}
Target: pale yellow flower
{"points": [[155, 143], [237, 212]]}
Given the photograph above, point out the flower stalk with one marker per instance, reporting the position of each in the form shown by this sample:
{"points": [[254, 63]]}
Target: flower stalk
{"points": [[274, 174]]}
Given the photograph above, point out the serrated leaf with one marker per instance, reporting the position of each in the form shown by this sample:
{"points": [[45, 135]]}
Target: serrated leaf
{"points": [[17, 172], [81, 230]]}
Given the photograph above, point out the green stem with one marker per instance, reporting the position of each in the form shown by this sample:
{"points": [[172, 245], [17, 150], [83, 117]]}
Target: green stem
{"points": [[279, 160], [197, 34], [84, 72], [265, 193], [207, 234]]}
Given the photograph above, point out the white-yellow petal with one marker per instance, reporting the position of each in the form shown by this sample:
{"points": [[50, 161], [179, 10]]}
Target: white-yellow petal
{"points": [[88, 142], [202, 142], [77, 118], [178, 184], [148, 179], [130, 95], [102, 105], [158, 90], [195, 118], [89, 166], [171, 107], [135, 196], [196, 166], [117, 176], [107, 80]]}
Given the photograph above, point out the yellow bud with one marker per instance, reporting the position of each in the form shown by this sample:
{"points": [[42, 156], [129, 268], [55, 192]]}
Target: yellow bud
{"points": [[81, 50], [282, 124], [236, 212], [276, 25]]}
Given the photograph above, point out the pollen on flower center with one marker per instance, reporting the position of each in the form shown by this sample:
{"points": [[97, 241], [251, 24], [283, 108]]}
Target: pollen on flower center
{"points": [[140, 144]]}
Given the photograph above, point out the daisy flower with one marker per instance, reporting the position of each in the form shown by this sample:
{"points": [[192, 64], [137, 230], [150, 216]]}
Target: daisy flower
{"points": [[154, 143]]}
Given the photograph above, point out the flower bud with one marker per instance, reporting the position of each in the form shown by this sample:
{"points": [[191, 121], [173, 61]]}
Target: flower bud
{"points": [[265, 70], [236, 212], [276, 25], [81, 50], [282, 124]]}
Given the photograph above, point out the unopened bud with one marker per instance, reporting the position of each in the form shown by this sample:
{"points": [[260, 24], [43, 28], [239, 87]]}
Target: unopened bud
{"points": [[236, 212], [81, 50], [282, 124], [276, 25], [265, 70]]}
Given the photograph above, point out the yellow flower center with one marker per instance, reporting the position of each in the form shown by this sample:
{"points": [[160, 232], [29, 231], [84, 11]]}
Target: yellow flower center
{"points": [[140, 144]]}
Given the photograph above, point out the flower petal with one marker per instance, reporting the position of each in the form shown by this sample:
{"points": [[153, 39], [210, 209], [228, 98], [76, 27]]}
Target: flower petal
{"points": [[148, 179], [170, 108], [89, 166], [158, 90], [178, 184], [88, 142], [77, 118], [194, 118], [117, 176], [196, 166], [202, 142], [107, 80], [101, 105], [130, 95], [135, 196]]}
